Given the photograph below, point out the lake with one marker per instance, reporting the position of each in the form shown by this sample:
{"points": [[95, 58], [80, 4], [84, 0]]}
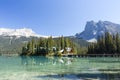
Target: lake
{"points": [[59, 68]]}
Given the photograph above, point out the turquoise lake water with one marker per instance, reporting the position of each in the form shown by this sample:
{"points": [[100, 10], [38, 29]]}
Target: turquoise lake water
{"points": [[55, 68]]}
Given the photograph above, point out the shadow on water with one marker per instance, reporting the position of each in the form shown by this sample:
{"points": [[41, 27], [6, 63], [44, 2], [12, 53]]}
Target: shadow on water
{"points": [[105, 60], [84, 76]]}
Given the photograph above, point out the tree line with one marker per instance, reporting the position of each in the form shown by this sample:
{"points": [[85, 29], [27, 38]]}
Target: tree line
{"points": [[106, 44], [49, 46]]}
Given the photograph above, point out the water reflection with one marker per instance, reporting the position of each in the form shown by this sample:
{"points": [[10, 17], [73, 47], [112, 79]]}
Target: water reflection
{"points": [[73, 68], [84, 76], [25, 60]]}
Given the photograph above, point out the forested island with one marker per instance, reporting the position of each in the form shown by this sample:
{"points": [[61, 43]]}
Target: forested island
{"points": [[106, 44], [49, 46]]}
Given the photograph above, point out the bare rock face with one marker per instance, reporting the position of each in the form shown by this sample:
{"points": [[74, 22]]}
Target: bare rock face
{"points": [[95, 29]]}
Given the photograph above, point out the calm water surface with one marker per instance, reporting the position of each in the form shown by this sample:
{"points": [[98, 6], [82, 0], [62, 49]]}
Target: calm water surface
{"points": [[55, 68]]}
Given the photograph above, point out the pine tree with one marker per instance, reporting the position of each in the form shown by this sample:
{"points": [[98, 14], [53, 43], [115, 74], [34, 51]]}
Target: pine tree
{"points": [[62, 43], [49, 45], [33, 46], [67, 42], [108, 42], [117, 43], [24, 51], [101, 43]]}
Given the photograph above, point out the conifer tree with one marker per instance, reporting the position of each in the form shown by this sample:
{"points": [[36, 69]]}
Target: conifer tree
{"points": [[62, 43], [33, 46], [117, 43], [67, 42], [108, 42]]}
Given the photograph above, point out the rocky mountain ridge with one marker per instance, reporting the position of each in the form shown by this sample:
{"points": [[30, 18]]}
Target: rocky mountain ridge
{"points": [[23, 32], [94, 29]]}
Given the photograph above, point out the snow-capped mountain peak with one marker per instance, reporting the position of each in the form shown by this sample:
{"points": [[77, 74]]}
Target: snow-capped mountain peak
{"points": [[95, 29], [26, 32]]}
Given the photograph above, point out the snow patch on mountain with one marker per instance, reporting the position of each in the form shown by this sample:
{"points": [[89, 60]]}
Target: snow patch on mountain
{"points": [[92, 40], [19, 32]]}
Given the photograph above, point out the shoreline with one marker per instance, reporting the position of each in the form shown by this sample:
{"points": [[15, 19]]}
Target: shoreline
{"points": [[71, 55], [93, 55]]}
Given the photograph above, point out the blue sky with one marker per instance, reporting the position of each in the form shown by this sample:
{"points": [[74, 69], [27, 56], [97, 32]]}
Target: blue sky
{"points": [[57, 17]]}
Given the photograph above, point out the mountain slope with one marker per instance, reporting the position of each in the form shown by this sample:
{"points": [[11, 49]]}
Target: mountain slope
{"points": [[95, 29], [12, 40], [12, 45]]}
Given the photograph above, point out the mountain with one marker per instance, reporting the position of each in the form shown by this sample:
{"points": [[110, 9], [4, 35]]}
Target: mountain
{"points": [[12, 40], [12, 45], [95, 29], [24, 32]]}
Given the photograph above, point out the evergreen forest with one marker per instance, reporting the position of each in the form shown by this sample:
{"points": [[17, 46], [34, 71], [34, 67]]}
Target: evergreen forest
{"points": [[49, 46], [106, 44]]}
